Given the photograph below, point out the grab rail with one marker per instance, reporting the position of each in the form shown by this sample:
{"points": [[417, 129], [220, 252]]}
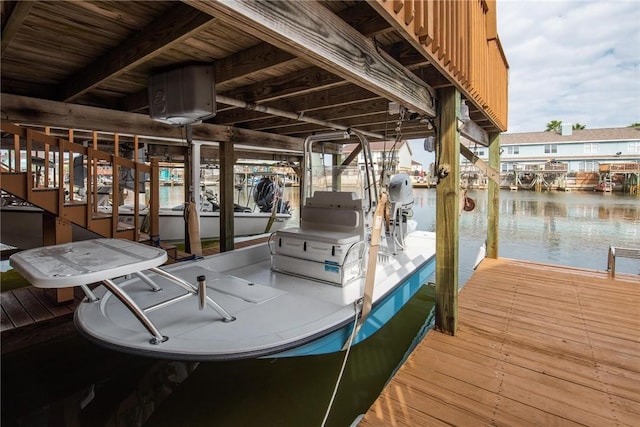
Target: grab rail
{"points": [[141, 313], [632, 253]]}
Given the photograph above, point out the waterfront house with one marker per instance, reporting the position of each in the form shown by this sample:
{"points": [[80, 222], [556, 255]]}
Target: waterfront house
{"points": [[574, 159], [390, 155]]}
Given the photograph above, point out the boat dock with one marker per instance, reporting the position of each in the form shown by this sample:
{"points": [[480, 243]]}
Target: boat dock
{"points": [[536, 345]]}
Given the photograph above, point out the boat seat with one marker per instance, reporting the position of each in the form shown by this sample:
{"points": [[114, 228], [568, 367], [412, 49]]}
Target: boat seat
{"points": [[333, 216], [324, 246]]}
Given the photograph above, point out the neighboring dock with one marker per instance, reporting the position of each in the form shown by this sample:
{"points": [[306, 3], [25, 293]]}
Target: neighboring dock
{"points": [[536, 345]]}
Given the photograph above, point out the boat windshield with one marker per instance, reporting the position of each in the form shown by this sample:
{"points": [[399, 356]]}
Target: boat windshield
{"points": [[325, 176], [333, 165]]}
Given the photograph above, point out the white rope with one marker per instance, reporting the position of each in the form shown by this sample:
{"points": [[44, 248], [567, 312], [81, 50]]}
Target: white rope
{"points": [[344, 364]]}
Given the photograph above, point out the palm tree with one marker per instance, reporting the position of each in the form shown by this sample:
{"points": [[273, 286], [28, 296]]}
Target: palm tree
{"points": [[634, 125], [554, 125], [578, 126]]}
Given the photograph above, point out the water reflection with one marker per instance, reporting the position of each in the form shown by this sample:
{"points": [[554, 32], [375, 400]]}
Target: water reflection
{"points": [[572, 229]]}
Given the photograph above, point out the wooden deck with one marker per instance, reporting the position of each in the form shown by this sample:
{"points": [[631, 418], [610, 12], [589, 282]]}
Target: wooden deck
{"points": [[536, 345], [30, 316]]}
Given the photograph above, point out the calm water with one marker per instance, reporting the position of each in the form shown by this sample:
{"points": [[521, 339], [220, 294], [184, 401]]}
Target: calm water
{"points": [[69, 381], [573, 229]]}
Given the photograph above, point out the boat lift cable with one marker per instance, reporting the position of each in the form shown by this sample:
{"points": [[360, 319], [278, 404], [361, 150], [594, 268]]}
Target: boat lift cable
{"points": [[344, 361]]}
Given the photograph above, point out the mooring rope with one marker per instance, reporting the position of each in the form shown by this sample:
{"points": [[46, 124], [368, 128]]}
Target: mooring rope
{"points": [[344, 362]]}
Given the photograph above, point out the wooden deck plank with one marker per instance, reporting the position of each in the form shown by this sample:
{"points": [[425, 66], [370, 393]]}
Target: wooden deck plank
{"points": [[15, 311], [54, 309], [32, 305], [5, 322], [536, 345]]}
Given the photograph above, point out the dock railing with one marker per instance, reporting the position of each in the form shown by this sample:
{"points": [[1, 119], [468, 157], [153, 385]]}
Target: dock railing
{"points": [[633, 253]]}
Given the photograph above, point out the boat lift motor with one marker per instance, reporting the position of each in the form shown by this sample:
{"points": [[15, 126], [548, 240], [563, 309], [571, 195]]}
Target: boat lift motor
{"points": [[401, 198]]}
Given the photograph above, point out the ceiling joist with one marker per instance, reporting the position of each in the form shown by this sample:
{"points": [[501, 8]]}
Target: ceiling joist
{"points": [[347, 53], [176, 25]]}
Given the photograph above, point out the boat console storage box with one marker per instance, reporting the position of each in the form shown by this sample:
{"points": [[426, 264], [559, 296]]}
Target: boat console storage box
{"points": [[318, 254]]}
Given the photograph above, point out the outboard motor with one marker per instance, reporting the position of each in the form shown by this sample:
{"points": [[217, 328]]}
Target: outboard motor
{"points": [[400, 192], [264, 194]]}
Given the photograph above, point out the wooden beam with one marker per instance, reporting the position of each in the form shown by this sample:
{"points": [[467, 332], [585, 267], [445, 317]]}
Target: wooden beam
{"points": [[304, 81], [21, 109], [493, 209], [154, 198], [263, 56], [475, 133], [14, 22], [493, 174], [308, 102], [448, 213], [365, 20], [177, 24], [249, 61], [343, 114], [297, 27]]}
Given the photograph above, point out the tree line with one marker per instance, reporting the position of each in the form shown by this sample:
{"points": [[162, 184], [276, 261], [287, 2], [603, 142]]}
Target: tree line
{"points": [[556, 126]]}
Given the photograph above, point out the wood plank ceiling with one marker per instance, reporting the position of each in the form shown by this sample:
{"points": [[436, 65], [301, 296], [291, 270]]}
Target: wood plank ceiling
{"points": [[101, 54]]}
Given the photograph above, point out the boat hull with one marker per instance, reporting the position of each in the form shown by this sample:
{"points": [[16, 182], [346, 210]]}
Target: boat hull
{"points": [[23, 227], [276, 314], [380, 314], [172, 224]]}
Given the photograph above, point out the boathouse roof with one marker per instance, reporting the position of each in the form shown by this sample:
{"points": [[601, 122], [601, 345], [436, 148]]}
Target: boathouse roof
{"points": [[344, 64]]}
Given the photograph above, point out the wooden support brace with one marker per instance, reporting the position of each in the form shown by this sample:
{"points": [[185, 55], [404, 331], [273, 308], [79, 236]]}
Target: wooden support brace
{"points": [[493, 174], [57, 230]]}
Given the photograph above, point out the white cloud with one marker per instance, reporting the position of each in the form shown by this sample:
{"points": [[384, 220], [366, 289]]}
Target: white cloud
{"points": [[574, 61]]}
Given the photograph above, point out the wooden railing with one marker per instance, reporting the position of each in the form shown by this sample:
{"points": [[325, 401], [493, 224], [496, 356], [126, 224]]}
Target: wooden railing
{"points": [[460, 39], [42, 170], [619, 167]]}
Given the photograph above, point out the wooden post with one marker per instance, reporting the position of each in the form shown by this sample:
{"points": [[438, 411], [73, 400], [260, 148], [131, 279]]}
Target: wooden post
{"points": [[493, 212], [336, 179], [448, 212], [154, 199], [186, 177], [57, 230], [226, 196]]}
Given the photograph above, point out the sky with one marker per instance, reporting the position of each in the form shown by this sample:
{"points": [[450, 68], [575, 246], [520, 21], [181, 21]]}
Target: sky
{"points": [[575, 61]]}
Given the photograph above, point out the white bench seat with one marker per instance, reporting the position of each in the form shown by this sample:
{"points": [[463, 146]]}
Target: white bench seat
{"points": [[328, 245]]}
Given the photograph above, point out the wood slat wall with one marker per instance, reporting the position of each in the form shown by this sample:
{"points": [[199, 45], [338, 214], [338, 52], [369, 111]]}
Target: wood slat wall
{"points": [[460, 39]]}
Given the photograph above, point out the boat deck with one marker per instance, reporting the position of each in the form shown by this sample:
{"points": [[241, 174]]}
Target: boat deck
{"points": [[536, 345], [28, 315]]}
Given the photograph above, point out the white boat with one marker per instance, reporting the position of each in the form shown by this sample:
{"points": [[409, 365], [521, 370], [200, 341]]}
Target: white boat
{"points": [[263, 218], [21, 224], [318, 288], [172, 223]]}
